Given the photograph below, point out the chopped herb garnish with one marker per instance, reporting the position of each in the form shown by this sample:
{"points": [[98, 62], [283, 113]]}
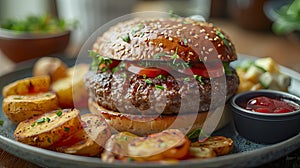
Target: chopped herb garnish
{"points": [[148, 81], [227, 68], [47, 94], [18, 98], [194, 135], [104, 69], [139, 27], [48, 119], [186, 22], [49, 140], [187, 79], [124, 75], [161, 77], [1, 122], [130, 159], [162, 145], [59, 113], [33, 124], [172, 14], [99, 60], [199, 78], [66, 129], [126, 38], [159, 55], [144, 76], [185, 41], [159, 87], [223, 38], [142, 34], [175, 55], [40, 120]]}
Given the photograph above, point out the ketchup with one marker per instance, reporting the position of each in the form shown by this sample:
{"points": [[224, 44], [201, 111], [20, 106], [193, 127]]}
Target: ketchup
{"points": [[268, 105]]}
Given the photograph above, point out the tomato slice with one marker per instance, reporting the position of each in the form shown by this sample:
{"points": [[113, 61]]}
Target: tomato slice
{"points": [[151, 72], [206, 71], [112, 65]]}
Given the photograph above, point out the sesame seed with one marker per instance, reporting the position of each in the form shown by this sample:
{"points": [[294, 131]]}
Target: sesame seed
{"points": [[170, 38], [206, 37], [203, 48], [202, 30], [178, 32], [196, 45], [210, 49], [184, 27], [172, 51], [191, 53], [122, 47], [189, 40], [210, 39], [160, 44], [206, 52], [228, 56], [201, 52], [219, 56], [122, 53], [136, 45], [179, 24], [157, 49], [219, 45], [205, 58], [196, 36], [151, 42]]}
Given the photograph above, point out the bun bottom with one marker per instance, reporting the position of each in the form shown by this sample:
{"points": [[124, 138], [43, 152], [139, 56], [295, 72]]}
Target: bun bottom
{"points": [[144, 125]]}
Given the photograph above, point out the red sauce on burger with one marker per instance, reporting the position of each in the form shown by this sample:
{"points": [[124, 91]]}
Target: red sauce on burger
{"points": [[264, 104]]}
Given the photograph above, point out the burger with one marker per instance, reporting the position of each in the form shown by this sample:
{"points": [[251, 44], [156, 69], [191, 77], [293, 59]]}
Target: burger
{"points": [[147, 74]]}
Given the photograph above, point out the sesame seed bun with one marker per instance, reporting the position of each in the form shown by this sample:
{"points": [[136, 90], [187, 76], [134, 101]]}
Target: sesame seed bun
{"points": [[193, 41]]}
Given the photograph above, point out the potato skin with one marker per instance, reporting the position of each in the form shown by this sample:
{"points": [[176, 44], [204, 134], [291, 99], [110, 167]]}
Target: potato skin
{"points": [[54, 67], [43, 133], [90, 140], [27, 86], [18, 108]]}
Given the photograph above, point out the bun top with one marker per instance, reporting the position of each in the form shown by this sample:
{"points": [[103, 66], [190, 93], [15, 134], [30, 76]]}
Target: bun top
{"points": [[152, 39]]}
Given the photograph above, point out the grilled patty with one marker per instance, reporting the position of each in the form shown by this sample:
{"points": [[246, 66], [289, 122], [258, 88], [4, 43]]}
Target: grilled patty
{"points": [[130, 93]]}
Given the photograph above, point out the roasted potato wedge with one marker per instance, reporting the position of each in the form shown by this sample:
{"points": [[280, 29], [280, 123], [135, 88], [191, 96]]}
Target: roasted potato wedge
{"points": [[219, 144], [117, 146], [49, 128], [71, 90], [201, 152], [18, 108], [27, 86], [54, 67], [168, 144], [88, 141]]}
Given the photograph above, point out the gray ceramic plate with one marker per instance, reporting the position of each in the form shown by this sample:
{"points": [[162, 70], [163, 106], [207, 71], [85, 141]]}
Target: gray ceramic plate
{"points": [[245, 153]]}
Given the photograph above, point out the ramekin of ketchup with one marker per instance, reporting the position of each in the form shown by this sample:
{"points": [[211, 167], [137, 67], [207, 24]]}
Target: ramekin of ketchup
{"points": [[265, 104], [266, 116]]}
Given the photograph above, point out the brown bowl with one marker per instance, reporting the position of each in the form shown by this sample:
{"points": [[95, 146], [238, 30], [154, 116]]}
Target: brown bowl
{"points": [[19, 46]]}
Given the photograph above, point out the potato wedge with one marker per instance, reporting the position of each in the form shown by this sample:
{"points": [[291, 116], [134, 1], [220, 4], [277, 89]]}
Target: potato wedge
{"points": [[71, 90], [219, 144], [168, 144], [201, 152], [18, 108], [88, 141], [54, 67], [117, 146], [49, 128], [27, 86]]}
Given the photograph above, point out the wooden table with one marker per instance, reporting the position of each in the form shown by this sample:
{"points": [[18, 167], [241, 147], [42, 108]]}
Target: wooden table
{"points": [[260, 44]]}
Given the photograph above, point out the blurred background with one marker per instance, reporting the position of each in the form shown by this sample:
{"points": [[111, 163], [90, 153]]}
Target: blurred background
{"points": [[247, 22]]}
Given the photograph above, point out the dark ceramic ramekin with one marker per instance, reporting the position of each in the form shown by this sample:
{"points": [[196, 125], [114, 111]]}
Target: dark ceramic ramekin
{"points": [[265, 128]]}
